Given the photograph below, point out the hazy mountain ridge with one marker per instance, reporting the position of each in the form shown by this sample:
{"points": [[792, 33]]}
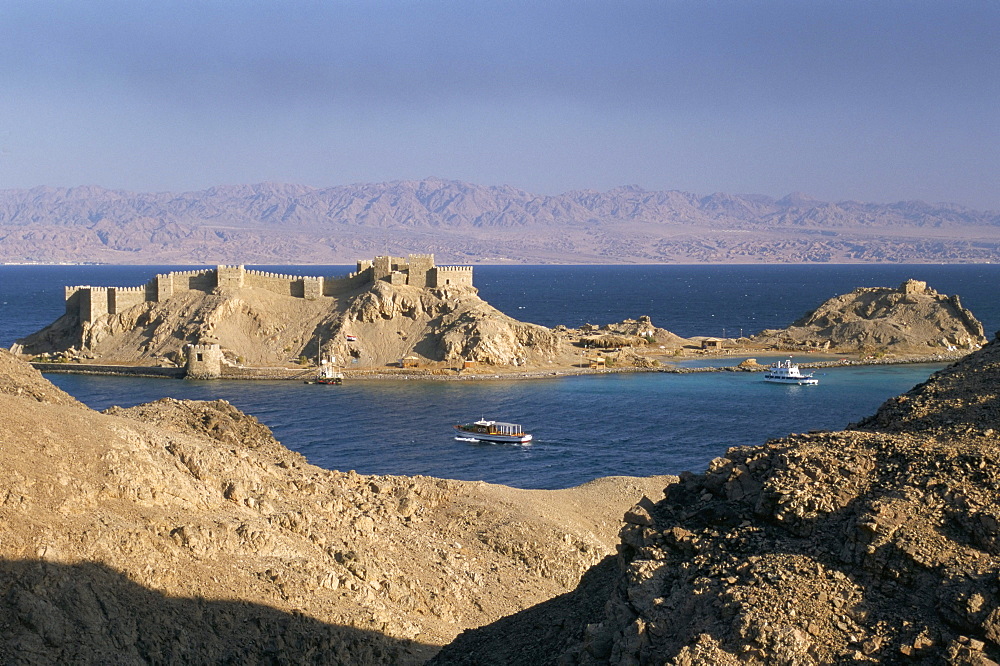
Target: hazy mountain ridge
{"points": [[289, 222]]}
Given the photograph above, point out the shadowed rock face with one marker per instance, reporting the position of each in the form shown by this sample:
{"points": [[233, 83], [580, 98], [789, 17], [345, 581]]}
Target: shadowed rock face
{"points": [[878, 544], [910, 319], [89, 613]]}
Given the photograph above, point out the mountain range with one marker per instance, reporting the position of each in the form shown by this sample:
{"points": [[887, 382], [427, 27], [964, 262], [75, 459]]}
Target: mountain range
{"points": [[272, 223]]}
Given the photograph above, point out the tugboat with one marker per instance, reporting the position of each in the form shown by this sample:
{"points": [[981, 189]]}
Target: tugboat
{"points": [[493, 431], [786, 372]]}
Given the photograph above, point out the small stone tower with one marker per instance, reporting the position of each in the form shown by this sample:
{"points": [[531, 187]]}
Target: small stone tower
{"points": [[204, 362], [420, 266], [230, 277]]}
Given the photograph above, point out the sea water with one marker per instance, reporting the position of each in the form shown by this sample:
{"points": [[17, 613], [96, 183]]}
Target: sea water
{"points": [[584, 426]]}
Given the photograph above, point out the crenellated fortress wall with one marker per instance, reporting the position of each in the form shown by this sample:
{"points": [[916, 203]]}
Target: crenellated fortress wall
{"points": [[417, 270]]}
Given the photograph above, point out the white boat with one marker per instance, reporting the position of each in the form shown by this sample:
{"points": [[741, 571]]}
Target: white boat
{"points": [[493, 431], [327, 374], [786, 372]]}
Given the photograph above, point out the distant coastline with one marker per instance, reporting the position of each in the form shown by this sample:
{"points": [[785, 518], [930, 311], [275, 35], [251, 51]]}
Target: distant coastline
{"points": [[465, 223]]}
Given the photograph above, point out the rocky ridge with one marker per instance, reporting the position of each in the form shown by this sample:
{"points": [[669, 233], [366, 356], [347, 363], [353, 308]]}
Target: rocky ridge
{"points": [[272, 223], [877, 544], [182, 532], [910, 319]]}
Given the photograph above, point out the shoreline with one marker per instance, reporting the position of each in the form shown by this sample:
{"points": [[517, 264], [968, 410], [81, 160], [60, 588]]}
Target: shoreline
{"points": [[390, 374]]}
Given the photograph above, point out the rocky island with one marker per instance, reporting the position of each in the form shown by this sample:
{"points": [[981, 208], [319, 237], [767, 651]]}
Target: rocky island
{"points": [[229, 321], [408, 316], [911, 319]]}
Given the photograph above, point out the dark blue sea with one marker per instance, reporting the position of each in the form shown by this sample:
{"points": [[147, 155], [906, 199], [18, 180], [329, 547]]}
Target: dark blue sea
{"points": [[584, 427]]}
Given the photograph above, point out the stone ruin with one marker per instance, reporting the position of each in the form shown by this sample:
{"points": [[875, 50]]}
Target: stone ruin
{"points": [[417, 270]]}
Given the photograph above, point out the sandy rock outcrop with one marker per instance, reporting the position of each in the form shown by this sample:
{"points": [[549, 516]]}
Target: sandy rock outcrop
{"points": [[258, 326], [629, 332], [448, 325], [18, 379], [624, 343], [878, 544], [910, 319], [182, 532]]}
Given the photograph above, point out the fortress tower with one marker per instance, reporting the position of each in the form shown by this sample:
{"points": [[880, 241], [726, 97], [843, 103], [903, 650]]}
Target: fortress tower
{"points": [[94, 302], [230, 277], [451, 276], [420, 269], [204, 361]]}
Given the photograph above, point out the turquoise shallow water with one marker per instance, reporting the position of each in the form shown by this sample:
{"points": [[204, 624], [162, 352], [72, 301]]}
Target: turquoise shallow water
{"points": [[584, 427]]}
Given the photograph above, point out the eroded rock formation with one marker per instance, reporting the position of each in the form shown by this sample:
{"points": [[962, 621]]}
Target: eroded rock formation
{"points": [[626, 333], [911, 319]]}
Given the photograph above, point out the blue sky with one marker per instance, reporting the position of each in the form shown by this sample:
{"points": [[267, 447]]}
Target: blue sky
{"points": [[841, 99]]}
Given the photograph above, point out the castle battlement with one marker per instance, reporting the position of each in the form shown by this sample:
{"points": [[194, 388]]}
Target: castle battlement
{"points": [[184, 274], [416, 270], [452, 276]]}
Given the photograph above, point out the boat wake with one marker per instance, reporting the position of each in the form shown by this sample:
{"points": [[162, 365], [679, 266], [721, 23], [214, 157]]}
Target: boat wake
{"points": [[473, 440]]}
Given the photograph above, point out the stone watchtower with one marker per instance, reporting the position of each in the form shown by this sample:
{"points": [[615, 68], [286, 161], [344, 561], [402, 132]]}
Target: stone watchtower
{"points": [[230, 277], [420, 267], [204, 361], [913, 287]]}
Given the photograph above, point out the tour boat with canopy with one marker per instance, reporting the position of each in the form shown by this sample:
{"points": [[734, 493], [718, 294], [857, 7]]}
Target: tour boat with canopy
{"points": [[493, 431]]}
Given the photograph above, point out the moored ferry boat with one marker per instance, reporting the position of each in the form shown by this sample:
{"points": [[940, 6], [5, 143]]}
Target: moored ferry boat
{"points": [[328, 374], [786, 372], [494, 431]]}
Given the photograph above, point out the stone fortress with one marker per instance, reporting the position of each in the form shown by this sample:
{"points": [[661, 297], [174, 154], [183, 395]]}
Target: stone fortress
{"points": [[417, 270]]}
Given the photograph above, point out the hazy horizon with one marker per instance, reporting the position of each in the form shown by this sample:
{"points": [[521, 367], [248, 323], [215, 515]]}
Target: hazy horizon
{"points": [[840, 100]]}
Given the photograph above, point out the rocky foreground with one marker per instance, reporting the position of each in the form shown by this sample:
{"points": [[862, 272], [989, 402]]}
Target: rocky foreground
{"points": [[182, 532], [878, 544]]}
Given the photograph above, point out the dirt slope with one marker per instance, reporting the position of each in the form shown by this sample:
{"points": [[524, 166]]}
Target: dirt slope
{"points": [[183, 532]]}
